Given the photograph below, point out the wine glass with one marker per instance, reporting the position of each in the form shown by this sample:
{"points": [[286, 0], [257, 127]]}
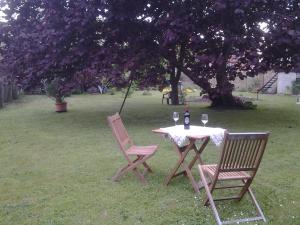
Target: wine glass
{"points": [[204, 119], [175, 117]]}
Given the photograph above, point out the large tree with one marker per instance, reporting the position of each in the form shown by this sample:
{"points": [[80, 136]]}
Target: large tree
{"points": [[212, 42], [48, 39]]}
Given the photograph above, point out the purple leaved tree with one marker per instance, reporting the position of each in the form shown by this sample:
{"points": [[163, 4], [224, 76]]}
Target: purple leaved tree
{"points": [[47, 40], [212, 42]]}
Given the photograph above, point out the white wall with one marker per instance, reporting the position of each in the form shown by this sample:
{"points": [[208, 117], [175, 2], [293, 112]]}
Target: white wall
{"points": [[253, 83], [284, 83]]}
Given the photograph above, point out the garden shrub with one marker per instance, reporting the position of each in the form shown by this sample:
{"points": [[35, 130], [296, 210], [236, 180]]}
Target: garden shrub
{"points": [[112, 91], [132, 89], [296, 87], [147, 93]]}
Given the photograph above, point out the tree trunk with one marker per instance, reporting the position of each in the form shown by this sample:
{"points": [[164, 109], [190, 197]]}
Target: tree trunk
{"points": [[1, 95], [174, 92], [5, 92], [176, 69], [174, 80], [221, 96], [9, 92], [223, 100], [15, 93]]}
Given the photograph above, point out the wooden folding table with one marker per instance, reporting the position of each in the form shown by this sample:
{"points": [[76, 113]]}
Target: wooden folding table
{"points": [[182, 152]]}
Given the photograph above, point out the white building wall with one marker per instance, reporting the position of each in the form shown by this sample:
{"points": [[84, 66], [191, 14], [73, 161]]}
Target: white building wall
{"points": [[253, 83], [284, 83]]}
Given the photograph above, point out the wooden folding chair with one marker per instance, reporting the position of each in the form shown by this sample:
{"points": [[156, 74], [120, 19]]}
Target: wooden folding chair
{"points": [[141, 153], [239, 160]]}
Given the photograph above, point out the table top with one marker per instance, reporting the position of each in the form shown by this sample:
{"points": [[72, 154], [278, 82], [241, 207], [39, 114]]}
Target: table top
{"points": [[181, 136], [161, 131]]}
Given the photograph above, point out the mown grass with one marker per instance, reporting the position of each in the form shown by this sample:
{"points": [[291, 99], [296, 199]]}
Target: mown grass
{"points": [[56, 168]]}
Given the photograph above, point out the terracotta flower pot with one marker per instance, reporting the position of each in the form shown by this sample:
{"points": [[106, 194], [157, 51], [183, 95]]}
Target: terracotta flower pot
{"points": [[61, 107]]}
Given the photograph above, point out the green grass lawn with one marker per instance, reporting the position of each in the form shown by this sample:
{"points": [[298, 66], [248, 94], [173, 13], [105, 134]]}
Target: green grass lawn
{"points": [[56, 168]]}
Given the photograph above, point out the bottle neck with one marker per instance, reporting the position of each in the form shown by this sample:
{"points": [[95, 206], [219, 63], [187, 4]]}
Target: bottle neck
{"points": [[186, 109]]}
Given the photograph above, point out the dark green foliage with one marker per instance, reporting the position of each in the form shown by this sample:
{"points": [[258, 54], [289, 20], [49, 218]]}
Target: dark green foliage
{"points": [[249, 105], [147, 93], [296, 87]]}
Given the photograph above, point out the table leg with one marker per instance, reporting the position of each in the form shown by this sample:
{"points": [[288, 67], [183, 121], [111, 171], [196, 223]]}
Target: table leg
{"points": [[198, 156], [198, 153], [191, 178], [182, 155]]}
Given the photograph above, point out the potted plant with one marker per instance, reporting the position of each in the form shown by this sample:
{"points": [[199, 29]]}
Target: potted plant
{"points": [[57, 90]]}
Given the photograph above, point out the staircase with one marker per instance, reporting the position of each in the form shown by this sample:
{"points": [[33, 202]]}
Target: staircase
{"points": [[267, 85]]}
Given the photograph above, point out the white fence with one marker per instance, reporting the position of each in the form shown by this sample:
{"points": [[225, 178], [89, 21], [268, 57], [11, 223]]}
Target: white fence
{"points": [[8, 92]]}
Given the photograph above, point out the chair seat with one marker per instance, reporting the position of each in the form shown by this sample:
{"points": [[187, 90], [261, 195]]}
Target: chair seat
{"points": [[238, 175], [142, 150]]}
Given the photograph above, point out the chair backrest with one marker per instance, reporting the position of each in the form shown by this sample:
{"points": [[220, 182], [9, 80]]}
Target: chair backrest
{"points": [[119, 131], [242, 151]]}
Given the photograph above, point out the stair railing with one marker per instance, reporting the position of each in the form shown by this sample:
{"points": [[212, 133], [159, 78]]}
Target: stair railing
{"points": [[267, 83]]}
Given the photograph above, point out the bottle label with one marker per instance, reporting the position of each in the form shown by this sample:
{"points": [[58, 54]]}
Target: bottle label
{"points": [[187, 120]]}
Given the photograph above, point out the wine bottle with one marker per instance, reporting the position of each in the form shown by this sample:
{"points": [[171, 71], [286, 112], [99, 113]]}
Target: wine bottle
{"points": [[186, 118]]}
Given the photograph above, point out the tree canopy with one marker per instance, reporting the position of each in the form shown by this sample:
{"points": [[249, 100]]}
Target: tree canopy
{"points": [[212, 42]]}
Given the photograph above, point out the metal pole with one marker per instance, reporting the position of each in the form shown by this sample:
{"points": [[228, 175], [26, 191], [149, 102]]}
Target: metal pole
{"points": [[120, 111]]}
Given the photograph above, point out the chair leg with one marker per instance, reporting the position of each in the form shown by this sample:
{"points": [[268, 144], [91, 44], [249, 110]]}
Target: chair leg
{"points": [[117, 176], [142, 159], [140, 176], [207, 181], [209, 196], [147, 167], [133, 166], [250, 219], [211, 188], [244, 189], [119, 173], [258, 209]]}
